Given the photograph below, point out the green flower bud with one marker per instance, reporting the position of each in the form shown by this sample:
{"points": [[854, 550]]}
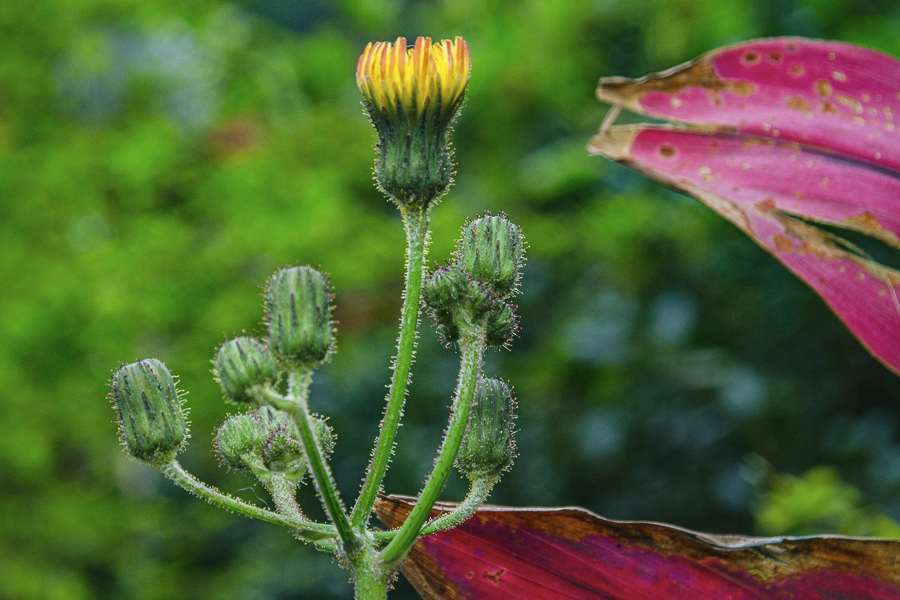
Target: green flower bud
{"points": [[299, 315], [282, 450], [241, 365], [502, 325], [152, 424], [239, 437], [487, 448], [455, 300], [491, 250]]}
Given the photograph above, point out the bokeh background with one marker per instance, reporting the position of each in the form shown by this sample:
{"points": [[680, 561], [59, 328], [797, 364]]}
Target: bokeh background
{"points": [[158, 160]]}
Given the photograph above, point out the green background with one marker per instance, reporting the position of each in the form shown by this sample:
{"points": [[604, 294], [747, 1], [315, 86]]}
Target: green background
{"points": [[158, 160]]}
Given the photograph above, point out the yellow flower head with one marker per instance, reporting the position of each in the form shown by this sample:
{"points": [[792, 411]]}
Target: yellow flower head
{"points": [[425, 79]]}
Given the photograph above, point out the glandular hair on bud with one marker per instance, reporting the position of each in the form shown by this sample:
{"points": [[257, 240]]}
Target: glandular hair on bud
{"points": [[492, 250], [487, 448], [152, 423], [299, 315], [243, 364], [237, 438]]}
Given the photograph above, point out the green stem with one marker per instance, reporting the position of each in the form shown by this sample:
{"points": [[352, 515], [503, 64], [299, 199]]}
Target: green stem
{"points": [[282, 492], [478, 495], [305, 529], [416, 225], [298, 408], [370, 578], [470, 363]]}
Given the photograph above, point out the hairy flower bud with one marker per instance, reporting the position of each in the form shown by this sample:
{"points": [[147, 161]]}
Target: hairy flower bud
{"points": [[282, 450], [299, 315], [241, 365], [487, 447], [152, 424], [237, 438], [412, 95], [502, 325], [491, 250]]}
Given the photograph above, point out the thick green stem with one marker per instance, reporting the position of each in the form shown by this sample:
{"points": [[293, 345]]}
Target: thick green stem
{"points": [[298, 408], [370, 578], [303, 528], [470, 364], [416, 225]]}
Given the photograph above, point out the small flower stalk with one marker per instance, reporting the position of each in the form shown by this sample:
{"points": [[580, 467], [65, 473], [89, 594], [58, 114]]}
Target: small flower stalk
{"points": [[412, 96]]}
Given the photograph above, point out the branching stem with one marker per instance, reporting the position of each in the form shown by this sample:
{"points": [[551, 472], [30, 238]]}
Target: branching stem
{"points": [[303, 528], [472, 350]]}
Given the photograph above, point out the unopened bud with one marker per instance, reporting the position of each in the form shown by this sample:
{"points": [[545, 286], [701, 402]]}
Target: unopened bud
{"points": [[238, 437], [241, 365], [152, 424], [502, 325], [487, 446], [491, 250], [299, 313], [455, 300]]}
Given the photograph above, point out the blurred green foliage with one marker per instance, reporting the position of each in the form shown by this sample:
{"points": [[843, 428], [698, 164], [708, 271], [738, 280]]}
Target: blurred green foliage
{"points": [[158, 160]]}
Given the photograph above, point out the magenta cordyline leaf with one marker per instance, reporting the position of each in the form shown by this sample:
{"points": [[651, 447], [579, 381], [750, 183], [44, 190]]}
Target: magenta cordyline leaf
{"points": [[572, 554], [778, 135]]}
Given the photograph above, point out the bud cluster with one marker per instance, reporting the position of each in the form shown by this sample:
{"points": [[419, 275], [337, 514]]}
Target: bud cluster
{"points": [[266, 442], [473, 291], [152, 423]]}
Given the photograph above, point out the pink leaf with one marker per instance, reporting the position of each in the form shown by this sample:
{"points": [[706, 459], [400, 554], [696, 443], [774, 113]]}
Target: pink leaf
{"points": [[572, 554], [777, 133]]}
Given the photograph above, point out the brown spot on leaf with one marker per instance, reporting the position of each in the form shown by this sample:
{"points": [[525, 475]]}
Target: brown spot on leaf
{"points": [[828, 107], [699, 73], [775, 57], [865, 222], [749, 59], [494, 577], [823, 88], [470, 575], [796, 70], [667, 151], [744, 88], [767, 205], [798, 103], [783, 243]]}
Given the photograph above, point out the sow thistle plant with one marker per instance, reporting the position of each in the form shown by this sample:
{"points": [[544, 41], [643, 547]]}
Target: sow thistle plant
{"points": [[412, 95]]}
